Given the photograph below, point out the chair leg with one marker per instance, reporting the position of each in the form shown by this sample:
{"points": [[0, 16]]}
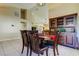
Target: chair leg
{"points": [[54, 50], [47, 52], [38, 54], [30, 52], [22, 49], [27, 51], [57, 50]]}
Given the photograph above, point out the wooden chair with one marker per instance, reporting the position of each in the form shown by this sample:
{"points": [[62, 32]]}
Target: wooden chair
{"points": [[55, 46], [25, 40], [53, 43], [36, 45]]}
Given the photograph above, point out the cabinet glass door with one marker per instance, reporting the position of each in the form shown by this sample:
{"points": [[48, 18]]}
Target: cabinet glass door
{"points": [[70, 21]]}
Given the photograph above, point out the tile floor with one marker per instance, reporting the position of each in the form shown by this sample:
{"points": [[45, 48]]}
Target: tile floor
{"points": [[13, 48]]}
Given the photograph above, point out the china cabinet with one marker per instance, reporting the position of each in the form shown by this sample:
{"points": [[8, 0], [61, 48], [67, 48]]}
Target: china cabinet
{"points": [[66, 25]]}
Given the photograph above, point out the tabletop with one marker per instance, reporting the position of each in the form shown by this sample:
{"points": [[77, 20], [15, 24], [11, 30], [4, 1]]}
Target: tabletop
{"points": [[48, 37]]}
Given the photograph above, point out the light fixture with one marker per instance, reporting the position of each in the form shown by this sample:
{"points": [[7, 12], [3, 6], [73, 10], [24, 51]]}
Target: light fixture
{"points": [[40, 4]]}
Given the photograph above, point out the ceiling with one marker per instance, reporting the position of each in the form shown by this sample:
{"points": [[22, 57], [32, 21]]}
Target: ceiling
{"points": [[57, 5], [31, 5], [25, 5], [18, 5]]}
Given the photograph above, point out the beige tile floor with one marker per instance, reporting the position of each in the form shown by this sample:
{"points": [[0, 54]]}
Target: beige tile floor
{"points": [[13, 48]]}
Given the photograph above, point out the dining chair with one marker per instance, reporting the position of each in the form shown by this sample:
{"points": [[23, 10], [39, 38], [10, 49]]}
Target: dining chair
{"points": [[36, 45], [55, 38], [53, 43], [25, 40]]}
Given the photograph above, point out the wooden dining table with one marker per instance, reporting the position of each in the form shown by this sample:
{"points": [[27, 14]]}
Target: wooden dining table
{"points": [[45, 37], [49, 38]]}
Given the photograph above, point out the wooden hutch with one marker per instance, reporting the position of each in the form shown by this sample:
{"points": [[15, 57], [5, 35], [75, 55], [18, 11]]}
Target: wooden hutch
{"points": [[66, 25]]}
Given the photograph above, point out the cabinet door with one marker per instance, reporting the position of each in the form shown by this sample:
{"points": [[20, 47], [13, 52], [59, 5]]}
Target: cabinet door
{"points": [[53, 23], [70, 39], [60, 22], [70, 21]]}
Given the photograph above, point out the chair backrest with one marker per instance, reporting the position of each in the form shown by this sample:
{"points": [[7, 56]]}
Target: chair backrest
{"points": [[25, 39], [56, 33], [35, 42], [33, 31]]}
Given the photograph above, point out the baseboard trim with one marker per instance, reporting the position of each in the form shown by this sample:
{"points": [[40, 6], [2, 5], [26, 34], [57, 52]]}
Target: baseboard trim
{"points": [[68, 46], [10, 39]]}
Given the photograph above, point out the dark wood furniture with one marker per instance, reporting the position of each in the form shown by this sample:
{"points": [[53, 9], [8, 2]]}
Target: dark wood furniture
{"points": [[36, 45], [25, 40], [55, 46], [51, 42], [67, 26]]}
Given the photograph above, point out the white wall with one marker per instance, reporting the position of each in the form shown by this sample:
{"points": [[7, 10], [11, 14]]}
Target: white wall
{"points": [[8, 18], [29, 19], [39, 17]]}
